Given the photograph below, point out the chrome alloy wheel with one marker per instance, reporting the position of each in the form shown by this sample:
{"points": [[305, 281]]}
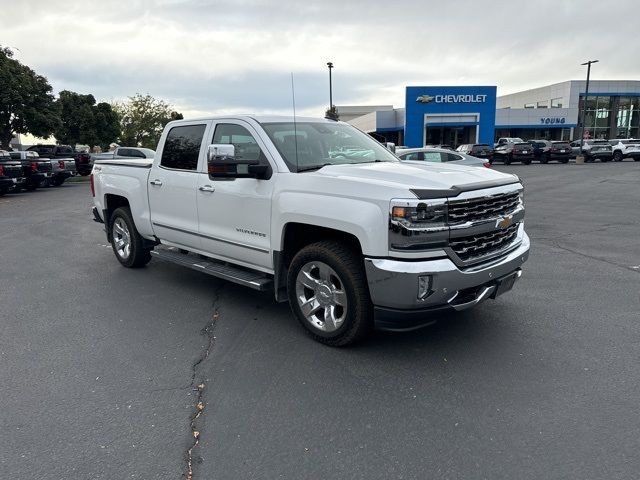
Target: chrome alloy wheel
{"points": [[321, 296], [121, 238]]}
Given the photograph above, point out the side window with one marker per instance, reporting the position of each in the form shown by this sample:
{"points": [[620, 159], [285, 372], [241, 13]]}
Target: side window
{"points": [[246, 146], [182, 147], [451, 157], [412, 156], [136, 153], [433, 157]]}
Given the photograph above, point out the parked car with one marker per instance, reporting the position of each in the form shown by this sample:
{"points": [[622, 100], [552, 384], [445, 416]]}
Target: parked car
{"points": [[350, 243], [513, 152], [545, 150], [83, 160], [440, 155], [478, 150], [37, 171], [625, 148], [11, 174], [125, 152], [441, 145], [505, 140], [593, 150], [60, 169]]}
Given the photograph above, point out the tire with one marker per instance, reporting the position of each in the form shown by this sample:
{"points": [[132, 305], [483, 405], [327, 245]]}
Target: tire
{"points": [[126, 242], [527, 162], [507, 160], [56, 182], [30, 187], [330, 277], [544, 160], [3, 192], [617, 156], [564, 160]]}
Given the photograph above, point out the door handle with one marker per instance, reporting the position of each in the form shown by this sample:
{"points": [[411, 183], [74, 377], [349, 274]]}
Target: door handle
{"points": [[156, 182], [206, 188]]}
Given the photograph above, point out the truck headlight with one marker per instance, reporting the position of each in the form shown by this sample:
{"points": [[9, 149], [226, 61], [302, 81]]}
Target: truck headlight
{"points": [[420, 215]]}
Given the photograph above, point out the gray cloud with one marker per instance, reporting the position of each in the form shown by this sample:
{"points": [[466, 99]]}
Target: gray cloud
{"points": [[237, 55]]}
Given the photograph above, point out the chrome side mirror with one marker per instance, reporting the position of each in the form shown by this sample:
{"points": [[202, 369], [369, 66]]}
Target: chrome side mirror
{"points": [[221, 152], [390, 146]]}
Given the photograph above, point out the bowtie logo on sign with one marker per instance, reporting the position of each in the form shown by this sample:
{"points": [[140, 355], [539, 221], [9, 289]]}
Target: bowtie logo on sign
{"points": [[452, 98], [552, 120]]}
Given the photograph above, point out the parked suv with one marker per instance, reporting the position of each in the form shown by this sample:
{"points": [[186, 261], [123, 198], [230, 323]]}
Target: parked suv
{"points": [[478, 150], [625, 148], [593, 150], [545, 150], [505, 140], [513, 152]]}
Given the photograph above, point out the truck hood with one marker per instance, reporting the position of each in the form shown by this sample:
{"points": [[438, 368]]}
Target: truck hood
{"points": [[428, 180]]}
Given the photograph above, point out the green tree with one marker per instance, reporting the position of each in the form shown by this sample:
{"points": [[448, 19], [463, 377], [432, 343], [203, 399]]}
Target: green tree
{"points": [[142, 118], [26, 102], [84, 122]]}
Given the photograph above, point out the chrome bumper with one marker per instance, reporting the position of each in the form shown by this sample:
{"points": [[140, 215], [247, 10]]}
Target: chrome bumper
{"points": [[393, 286]]}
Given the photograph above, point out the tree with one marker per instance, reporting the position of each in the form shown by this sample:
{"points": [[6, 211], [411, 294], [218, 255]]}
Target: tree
{"points": [[142, 119], [26, 102], [84, 122]]}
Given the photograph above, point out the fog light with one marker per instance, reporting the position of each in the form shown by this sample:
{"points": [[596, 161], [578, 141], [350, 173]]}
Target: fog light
{"points": [[424, 286]]}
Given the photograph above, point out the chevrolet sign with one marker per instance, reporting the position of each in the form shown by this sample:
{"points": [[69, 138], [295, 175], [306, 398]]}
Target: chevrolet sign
{"points": [[452, 98]]}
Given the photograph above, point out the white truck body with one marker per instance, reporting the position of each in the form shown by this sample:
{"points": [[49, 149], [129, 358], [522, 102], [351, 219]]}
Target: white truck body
{"points": [[245, 221]]}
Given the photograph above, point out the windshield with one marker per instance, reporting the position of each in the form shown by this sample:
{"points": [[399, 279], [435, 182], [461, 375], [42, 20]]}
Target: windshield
{"points": [[315, 144]]}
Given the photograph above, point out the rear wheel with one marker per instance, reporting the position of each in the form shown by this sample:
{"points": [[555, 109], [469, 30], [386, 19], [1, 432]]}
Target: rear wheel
{"points": [[56, 182], [328, 293], [617, 156], [126, 242]]}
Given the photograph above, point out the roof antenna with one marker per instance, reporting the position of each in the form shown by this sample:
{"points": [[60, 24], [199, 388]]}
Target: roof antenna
{"points": [[295, 129]]}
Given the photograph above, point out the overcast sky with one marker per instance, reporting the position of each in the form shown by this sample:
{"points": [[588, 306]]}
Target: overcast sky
{"points": [[224, 56]]}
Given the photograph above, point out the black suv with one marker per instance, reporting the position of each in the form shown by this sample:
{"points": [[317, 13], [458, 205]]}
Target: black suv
{"points": [[544, 151], [513, 152], [478, 150]]}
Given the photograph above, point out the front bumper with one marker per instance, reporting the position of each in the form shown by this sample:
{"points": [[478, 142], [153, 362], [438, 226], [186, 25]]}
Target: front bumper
{"points": [[393, 286]]}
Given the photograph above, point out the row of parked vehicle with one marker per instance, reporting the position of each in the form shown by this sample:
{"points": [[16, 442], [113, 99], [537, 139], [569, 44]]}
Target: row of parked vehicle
{"points": [[52, 165]]}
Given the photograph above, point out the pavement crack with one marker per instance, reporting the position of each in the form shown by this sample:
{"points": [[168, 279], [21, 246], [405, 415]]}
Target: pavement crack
{"points": [[585, 255], [199, 389]]}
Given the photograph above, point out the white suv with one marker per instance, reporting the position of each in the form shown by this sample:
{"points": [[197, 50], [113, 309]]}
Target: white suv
{"points": [[625, 148]]}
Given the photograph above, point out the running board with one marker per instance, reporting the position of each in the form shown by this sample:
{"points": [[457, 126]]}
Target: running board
{"points": [[248, 278]]}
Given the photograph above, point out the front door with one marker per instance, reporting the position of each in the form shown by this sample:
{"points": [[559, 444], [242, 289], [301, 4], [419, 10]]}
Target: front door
{"points": [[173, 183], [235, 213]]}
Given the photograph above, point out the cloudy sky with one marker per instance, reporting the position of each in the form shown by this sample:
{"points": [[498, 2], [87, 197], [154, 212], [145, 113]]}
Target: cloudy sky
{"points": [[223, 56]]}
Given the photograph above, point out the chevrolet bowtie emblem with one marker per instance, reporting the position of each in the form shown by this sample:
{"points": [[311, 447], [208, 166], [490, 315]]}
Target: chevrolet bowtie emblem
{"points": [[425, 99], [504, 222]]}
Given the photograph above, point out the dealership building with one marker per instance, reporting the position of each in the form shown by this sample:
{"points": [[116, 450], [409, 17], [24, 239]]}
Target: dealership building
{"points": [[475, 114]]}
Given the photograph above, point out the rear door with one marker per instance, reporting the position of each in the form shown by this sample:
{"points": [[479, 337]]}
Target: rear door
{"points": [[173, 183]]}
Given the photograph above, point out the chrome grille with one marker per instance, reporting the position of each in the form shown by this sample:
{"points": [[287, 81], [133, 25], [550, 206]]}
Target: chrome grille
{"points": [[461, 211], [478, 246]]}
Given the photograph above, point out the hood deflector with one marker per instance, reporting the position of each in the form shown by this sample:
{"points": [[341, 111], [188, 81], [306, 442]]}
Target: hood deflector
{"points": [[454, 191]]}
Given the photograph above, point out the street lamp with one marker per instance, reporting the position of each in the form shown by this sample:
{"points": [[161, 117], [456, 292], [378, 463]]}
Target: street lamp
{"points": [[584, 107]]}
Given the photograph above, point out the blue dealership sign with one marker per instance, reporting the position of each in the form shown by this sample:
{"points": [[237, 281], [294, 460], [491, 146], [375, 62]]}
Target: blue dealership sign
{"points": [[449, 106]]}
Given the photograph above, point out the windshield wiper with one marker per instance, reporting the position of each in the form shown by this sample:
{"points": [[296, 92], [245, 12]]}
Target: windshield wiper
{"points": [[312, 167]]}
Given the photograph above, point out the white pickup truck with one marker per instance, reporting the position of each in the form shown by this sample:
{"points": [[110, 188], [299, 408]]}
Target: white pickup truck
{"points": [[322, 215]]}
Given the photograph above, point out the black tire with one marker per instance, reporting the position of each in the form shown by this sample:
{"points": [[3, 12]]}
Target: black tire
{"points": [[544, 160], [30, 187], [490, 161], [3, 192], [507, 160], [527, 162], [350, 279], [138, 256], [56, 182], [564, 160], [617, 156]]}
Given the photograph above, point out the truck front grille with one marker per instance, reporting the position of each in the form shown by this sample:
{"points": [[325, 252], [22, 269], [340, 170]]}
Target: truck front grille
{"points": [[479, 246], [474, 209]]}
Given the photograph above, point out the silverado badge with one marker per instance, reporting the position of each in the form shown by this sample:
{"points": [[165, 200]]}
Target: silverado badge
{"points": [[425, 99], [504, 222]]}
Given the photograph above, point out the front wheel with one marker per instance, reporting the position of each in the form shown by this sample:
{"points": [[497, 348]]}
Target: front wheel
{"points": [[126, 242], [328, 293], [617, 156]]}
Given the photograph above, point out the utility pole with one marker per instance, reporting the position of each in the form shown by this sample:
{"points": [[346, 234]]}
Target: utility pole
{"points": [[584, 104]]}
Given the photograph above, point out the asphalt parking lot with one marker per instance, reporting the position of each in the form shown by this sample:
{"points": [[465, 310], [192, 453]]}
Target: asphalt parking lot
{"points": [[101, 364]]}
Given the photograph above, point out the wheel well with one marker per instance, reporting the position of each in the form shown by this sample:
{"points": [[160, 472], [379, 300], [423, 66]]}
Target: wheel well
{"points": [[299, 235], [111, 203]]}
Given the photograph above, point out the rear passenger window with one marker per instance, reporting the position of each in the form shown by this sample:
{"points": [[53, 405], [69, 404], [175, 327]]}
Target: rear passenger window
{"points": [[412, 156], [182, 147], [451, 157], [433, 157]]}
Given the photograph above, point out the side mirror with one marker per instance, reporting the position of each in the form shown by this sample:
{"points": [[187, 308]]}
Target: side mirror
{"points": [[223, 163], [390, 146]]}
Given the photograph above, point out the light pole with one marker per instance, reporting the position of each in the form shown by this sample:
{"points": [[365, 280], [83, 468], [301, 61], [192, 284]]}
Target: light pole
{"points": [[584, 106], [330, 65]]}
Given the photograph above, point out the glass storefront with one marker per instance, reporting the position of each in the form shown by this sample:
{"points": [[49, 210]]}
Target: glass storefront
{"points": [[534, 133], [611, 116]]}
